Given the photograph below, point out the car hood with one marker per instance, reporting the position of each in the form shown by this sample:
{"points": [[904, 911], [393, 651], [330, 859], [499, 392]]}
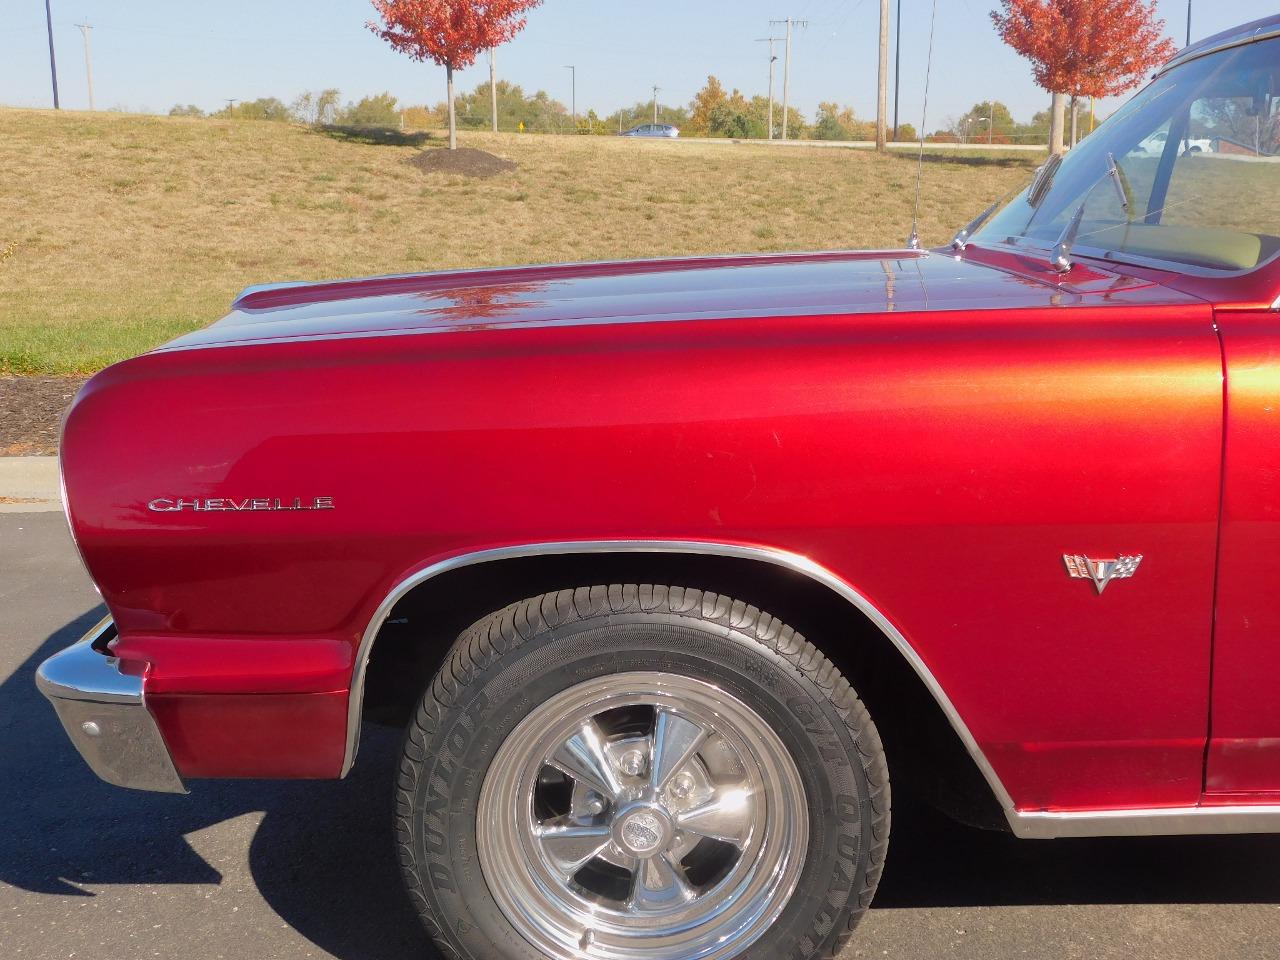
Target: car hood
{"points": [[834, 283]]}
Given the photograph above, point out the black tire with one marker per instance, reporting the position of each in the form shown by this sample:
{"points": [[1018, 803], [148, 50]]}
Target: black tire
{"points": [[516, 658]]}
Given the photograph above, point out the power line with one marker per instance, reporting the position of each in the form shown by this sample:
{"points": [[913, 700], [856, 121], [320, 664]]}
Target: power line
{"points": [[786, 67], [85, 30], [772, 60], [53, 61]]}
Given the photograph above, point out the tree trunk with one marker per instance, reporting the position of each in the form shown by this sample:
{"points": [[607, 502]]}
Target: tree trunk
{"points": [[1055, 124], [453, 118], [493, 90], [1075, 121]]}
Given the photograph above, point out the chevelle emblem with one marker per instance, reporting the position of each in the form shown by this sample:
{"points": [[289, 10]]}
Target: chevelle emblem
{"points": [[231, 504], [1101, 572]]}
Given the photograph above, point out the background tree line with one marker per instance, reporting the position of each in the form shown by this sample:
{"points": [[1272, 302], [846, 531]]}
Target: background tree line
{"points": [[713, 112]]}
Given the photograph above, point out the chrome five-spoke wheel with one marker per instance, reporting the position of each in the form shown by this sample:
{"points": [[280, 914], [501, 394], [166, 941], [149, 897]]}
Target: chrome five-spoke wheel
{"points": [[640, 772], [648, 814]]}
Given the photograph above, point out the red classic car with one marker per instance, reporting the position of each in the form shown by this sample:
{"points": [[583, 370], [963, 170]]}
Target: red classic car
{"points": [[668, 568]]}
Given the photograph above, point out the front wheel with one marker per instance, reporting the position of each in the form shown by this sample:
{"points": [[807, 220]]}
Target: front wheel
{"points": [[640, 772]]}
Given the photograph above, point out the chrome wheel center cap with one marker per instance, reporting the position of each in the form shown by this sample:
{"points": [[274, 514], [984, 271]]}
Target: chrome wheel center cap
{"points": [[643, 831]]}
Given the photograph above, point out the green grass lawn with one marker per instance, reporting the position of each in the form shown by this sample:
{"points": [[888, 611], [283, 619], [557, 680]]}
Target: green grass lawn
{"points": [[119, 232]]}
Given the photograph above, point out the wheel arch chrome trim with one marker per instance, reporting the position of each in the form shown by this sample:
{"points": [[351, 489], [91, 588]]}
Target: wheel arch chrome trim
{"points": [[779, 558]]}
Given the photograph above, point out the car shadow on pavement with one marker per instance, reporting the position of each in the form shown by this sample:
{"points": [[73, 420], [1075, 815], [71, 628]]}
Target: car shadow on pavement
{"points": [[323, 856]]}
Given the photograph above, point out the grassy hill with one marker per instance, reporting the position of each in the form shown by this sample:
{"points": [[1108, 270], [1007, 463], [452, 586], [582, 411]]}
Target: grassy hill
{"points": [[119, 232]]}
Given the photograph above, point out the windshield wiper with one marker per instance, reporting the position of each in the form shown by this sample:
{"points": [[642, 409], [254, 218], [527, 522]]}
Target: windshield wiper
{"points": [[1043, 180], [1121, 183], [961, 239]]}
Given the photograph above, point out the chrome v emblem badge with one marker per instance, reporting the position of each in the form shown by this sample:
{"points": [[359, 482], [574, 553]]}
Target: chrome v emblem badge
{"points": [[1101, 572]]}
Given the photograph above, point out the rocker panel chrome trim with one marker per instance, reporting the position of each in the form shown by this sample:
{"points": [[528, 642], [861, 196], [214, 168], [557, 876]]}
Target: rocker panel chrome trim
{"points": [[781, 558], [1157, 822]]}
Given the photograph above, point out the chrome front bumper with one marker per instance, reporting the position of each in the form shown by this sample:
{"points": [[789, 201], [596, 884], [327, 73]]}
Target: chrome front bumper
{"points": [[103, 712]]}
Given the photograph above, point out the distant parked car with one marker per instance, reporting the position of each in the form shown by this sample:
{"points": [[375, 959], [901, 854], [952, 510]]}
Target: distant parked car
{"points": [[1154, 144], [652, 130]]}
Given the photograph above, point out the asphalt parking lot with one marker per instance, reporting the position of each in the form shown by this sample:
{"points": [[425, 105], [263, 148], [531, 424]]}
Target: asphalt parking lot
{"points": [[253, 869]]}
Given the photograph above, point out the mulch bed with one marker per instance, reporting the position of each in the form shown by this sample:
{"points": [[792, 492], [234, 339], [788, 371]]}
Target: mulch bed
{"points": [[465, 161], [31, 413]]}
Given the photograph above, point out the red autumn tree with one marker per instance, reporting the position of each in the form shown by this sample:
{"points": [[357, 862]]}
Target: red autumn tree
{"points": [[451, 33], [1085, 48]]}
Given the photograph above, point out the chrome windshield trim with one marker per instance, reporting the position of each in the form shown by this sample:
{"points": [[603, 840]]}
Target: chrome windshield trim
{"points": [[1028, 246], [1156, 822], [781, 558], [1192, 54]]}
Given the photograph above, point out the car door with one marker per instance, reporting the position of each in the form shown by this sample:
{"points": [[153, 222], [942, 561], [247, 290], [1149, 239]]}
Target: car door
{"points": [[1244, 751]]}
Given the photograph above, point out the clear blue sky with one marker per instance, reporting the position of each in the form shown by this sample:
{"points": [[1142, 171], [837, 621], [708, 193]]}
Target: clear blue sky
{"points": [[149, 55]]}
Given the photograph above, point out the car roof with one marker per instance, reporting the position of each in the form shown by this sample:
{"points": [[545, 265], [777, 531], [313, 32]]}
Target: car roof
{"points": [[1245, 33]]}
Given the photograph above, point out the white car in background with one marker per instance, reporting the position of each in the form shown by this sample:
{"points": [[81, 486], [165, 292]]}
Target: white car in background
{"points": [[1154, 144]]}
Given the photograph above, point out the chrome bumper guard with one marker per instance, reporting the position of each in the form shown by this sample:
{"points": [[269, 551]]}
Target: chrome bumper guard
{"points": [[103, 712]]}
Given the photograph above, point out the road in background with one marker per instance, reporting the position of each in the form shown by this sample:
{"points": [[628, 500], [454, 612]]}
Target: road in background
{"points": [[278, 870], [899, 145]]}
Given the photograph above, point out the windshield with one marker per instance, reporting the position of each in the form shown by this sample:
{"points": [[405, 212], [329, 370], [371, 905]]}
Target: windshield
{"points": [[1188, 171]]}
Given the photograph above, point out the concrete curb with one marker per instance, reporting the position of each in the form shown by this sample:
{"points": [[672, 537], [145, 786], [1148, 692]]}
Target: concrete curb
{"points": [[29, 484]]}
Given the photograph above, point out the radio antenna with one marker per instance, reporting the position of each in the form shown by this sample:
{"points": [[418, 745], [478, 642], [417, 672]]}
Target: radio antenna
{"points": [[913, 241]]}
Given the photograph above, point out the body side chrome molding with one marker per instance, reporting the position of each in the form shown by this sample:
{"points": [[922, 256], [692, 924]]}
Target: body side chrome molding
{"points": [[778, 558], [1156, 822]]}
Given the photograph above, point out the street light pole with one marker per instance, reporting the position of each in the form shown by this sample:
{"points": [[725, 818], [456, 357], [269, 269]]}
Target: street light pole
{"points": [[53, 62], [1188, 23], [493, 90], [991, 122], [897, 69], [573, 74], [85, 30]]}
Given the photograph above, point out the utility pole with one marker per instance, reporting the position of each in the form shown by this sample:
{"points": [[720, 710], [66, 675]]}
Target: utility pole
{"points": [[656, 88], [786, 67], [53, 62], [85, 30], [573, 73], [230, 103], [1188, 23], [897, 70], [882, 80], [772, 60], [493, 90]]}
